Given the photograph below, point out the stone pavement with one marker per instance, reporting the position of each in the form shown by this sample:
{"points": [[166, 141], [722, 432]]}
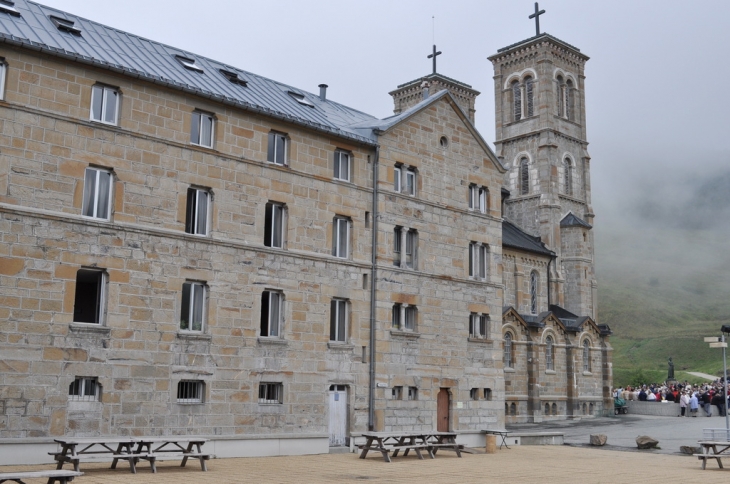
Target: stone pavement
{"points": [[528, 464]]}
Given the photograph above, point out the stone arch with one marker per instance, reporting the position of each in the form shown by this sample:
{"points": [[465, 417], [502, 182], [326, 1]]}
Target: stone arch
{"points": [[520, 76]]}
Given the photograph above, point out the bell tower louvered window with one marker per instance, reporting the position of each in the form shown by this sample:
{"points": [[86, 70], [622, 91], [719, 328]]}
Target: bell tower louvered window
{"points": [[517, 100], [568, 176], [530, 96], [533, 292], [524, 177]]}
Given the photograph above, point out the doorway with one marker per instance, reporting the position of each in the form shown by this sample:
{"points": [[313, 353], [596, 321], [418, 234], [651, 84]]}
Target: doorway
{"points": [[338, 415], [443, 404]]}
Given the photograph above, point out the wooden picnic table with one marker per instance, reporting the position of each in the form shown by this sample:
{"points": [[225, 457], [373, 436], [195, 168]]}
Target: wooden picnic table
{"points": [[387, 442], [62, 477], [714, 450], [131, 449], [501, 433]]}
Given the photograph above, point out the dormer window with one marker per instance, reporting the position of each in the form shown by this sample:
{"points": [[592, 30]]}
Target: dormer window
{"points": [[233, 77], [301, 99], [6, 6], [65, 25], [189, 63]]}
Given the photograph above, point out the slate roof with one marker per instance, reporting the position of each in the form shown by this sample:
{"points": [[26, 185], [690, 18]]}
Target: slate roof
{"points": [[571, 220], [513, 236], [543, 35], [146, 59]]}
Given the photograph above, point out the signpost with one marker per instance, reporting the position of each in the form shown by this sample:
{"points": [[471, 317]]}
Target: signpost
{"points": [[719, 342]]}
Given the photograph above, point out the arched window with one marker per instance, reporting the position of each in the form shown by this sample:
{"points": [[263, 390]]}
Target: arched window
{"points": [[549, 363], [529, 95], [555, 409], [512, 409], [516, 100], [524, 177], [560, 95], [569, 99], [547, 409], [508, 350], [533, 292], [568, 176], [586, 356]]}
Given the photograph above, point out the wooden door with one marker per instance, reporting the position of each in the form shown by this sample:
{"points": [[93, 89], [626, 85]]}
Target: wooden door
{"points": [[443, 403], [338, 415]]}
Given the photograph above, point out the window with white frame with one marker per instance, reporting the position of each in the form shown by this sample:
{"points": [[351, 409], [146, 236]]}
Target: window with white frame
{"points": [[341, 237], [507, 354], [3, 75], [338, 320], [274, 225], [405, 317], [190, 391], [478, 198], [90, 297], [568, 176], [524, 168], [271, 393], [97, 202], [84, 389], [478, 326], [404, 180], [104, 104], [549, 356], [192, 307], [534, 279], [586, 356], [478, 260], [201, 129], [196, 214], [342, 165], [272, 308], [277, 152]]}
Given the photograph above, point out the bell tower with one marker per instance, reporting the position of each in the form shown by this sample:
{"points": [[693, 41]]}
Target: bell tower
{"points": [[541, 139]]}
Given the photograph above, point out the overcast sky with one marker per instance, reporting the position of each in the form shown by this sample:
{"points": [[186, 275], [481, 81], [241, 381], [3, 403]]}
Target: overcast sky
{"points": [[657, 104]]}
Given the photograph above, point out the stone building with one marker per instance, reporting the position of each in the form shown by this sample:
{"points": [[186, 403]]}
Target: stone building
{"points": [[190, 248]]}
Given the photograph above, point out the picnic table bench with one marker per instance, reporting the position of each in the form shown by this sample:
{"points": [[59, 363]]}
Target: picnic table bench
{"points": [[62, 476], [710, 451], [387, 442], [131, 449]]}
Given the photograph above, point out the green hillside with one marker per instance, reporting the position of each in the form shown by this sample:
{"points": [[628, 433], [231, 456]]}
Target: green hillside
{"points": [[661, 292]]}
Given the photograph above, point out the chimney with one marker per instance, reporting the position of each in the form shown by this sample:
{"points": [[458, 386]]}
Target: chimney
{"points": [[323, 92], [424, 86]]}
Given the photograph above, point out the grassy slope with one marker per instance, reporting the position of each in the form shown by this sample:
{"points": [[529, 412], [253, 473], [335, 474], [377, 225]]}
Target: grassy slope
{"points": [[660, 299]]}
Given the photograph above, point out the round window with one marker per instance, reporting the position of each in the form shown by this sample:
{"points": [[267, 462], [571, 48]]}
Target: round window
{"points": [[444, 142]]}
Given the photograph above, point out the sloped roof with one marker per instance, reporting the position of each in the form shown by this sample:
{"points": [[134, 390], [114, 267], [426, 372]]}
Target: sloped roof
{"points": [[536, 38], [513, 236], [571, 220], [146, 59]]}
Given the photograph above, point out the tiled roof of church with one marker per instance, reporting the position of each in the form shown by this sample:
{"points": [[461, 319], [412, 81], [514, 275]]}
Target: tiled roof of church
{"points": [[513, 236], [108, 48], [571, 220]]}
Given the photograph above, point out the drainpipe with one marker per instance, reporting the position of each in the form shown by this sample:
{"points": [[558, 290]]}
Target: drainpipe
{"points": [[373, 277]]}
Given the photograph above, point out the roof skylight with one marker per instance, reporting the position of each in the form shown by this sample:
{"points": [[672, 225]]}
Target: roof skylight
{"points": [[234, 77], [7, 6], [301, 99], [188, 63], [65, 25]]}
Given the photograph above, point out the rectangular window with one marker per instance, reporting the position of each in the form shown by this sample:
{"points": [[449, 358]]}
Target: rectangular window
{"points": [[271, 313], [411, 249], [3, 74], [410, 188], [201, 129], [410, 323], [274, 225], [192, 312], [277, 151], [84, 389], [196, 218], [478, 260], [104, 104], [342, 165], [338, 320], [341, 237], [397, 235], [478, 198], [474, 394], [396, 315], [397, 393], [271, 393], [478, 327], [412, 393], [90, 296], [397, 176], [97, 194], [190, 391]]}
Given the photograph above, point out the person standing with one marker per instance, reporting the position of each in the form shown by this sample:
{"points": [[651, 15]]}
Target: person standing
{"points": [[683, 403], [694, 404], [706, 403]]}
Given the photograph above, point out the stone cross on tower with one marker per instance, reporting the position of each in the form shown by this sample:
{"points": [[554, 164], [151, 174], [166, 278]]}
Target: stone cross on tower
{"points": [[434, 58], [536, 16]]}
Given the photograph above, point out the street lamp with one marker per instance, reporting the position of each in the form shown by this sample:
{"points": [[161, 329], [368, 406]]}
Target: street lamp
{"points": [[720, 342]]}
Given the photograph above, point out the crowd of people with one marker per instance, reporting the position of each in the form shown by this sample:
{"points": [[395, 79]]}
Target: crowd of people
{"points": [[690, 397]]}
